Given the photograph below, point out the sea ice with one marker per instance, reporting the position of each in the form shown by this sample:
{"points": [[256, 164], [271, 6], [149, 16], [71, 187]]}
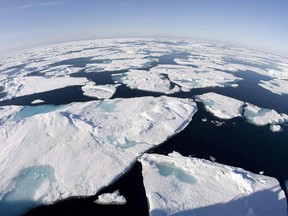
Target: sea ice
{"points": [[191, 78], [221, 106], [20, 86], [277, 86], [37, 101], [177, 185], [275, 128], [99, 91], [111, 198], [144, 80], [87, 145], [261, 116]]}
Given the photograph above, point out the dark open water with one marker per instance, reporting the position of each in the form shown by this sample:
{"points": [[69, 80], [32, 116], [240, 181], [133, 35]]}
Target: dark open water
{"points": [[236, 142]]}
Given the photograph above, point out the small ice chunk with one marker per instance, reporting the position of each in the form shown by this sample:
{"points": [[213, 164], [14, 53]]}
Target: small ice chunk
{"points": [[261, 116], [99, 91], [212, 158], [178, 185], [204, 119], [221, 106], [111, 198], [38, 101], [217, 123], [275, 128]]}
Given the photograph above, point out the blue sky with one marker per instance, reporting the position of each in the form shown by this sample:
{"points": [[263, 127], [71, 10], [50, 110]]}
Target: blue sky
{"points": [[257, 23]]}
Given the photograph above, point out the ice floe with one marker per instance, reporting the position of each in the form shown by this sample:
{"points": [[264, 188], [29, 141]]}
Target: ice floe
{"points": [[261, 116], [111, 198], [224, 107], [78, 149], [275, 128], [21, 86], [37, 101], [191, 78], [177, 185], [99, 91], [221, 106], [277, 86], [144, 80]]}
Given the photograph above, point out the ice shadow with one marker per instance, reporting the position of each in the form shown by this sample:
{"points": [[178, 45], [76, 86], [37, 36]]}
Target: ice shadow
{"points": [[261, 203]]}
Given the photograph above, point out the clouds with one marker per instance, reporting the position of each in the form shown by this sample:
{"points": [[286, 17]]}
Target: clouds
{"points": [[42, 4]]}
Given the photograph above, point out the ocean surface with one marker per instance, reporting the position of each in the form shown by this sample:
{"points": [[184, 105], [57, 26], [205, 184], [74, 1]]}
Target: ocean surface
{"points": [[233, 142]]}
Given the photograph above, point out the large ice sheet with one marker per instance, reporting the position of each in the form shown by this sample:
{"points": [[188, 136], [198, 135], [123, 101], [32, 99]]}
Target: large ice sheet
{"points": [[20, 86], [190, 78], [221, 106], [177, 185], [277, 86], [261, 116], [83, 146], [99, 91]]}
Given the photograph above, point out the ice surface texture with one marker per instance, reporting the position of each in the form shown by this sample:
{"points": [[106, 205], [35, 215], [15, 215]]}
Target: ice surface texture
{"points": [[81, 147], [191, 186]]}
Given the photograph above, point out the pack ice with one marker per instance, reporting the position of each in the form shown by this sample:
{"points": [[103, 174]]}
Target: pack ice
{"points": [[177, 185], [78, 149]]}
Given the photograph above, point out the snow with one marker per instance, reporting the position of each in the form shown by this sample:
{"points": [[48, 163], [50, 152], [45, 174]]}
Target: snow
{"points": [[177, 185], [221, 106], [277, 86], [111, 198], [191, 78], [275, 128], [144, 80], [21, 86], [77, 145], [261, 116], [99, 91]]}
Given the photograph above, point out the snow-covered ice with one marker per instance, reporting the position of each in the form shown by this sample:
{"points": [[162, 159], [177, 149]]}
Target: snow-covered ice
{"points": [[221, 106], [21, 86], [74, 147], [144, 80], [261, 116], [99, 91], [191, 78], [277, 86], [177, 185], [111, 198]]}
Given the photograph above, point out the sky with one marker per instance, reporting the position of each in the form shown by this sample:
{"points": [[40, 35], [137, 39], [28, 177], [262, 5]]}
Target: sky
{"points": [[257, 23]]}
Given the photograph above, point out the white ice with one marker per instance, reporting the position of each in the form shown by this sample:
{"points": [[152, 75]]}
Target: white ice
{"points": [[177, 185], [225, 107], [21, 86], [221, 106], [277, 86], [191, 78], [144, 80], [86, 145], [261, 116], [99, 91], [111, 198], [275, 128], [37, 101]]}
